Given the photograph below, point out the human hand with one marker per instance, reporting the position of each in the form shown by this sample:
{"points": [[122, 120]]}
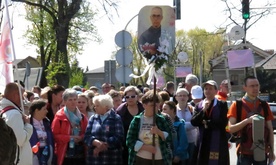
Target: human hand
{"points": [[77, 139], [155, 130], [176, 159], [250, 119], [96, 152], [102, 146], [271, 157], [26, 119], [206, 105]]}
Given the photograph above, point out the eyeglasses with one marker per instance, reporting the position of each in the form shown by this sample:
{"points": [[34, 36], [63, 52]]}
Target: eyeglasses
{"points": [[182, 95], [156, 16], [133, 96]]}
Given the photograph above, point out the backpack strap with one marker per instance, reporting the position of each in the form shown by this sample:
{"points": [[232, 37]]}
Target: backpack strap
{"points": [[191, 109], [6, 109], [239, 109], [264, 107]]}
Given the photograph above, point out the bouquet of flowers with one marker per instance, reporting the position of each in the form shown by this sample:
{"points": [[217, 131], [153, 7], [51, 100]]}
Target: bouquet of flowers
{"points": [[159, 56]]}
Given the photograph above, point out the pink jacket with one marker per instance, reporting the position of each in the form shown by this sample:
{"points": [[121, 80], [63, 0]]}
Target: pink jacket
{"points": [[61, 130]]}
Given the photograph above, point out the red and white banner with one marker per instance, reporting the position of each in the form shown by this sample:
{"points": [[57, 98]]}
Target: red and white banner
{"points": [[240, 58], [6, 55]]}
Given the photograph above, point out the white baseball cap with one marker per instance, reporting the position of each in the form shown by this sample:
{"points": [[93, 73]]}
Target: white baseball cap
{"points": [[197, 92]]}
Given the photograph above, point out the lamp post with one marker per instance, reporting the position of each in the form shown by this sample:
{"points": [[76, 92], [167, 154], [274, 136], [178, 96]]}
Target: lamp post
{"points": [[201, 67], [182, 58]]}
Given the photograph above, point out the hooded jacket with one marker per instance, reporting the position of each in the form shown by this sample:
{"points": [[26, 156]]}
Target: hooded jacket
{"points": [[23, 131]]}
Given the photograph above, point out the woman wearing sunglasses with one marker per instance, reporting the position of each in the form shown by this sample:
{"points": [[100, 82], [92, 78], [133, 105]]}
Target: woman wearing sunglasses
{"points": [[127, 111]]}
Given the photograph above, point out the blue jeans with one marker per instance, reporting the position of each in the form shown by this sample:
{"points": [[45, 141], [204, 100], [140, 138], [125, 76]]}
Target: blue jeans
{"points": [[249, 160]]}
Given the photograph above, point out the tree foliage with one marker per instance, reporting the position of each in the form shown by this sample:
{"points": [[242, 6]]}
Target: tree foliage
{"points": [[77, 75], [59, 30], [267, 81]]}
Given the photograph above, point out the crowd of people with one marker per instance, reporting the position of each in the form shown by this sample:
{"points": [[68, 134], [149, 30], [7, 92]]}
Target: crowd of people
{"points": [[189, 125]]}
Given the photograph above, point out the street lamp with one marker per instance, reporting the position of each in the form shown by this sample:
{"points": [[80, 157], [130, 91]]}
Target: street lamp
{"points": [[201, 65], [182, 58]]}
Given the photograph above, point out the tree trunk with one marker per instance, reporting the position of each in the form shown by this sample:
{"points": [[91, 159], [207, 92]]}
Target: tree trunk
{"points": [[62, 32]]}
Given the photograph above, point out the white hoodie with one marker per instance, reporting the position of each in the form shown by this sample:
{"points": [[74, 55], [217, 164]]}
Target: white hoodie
{"points": [[23, 132]]}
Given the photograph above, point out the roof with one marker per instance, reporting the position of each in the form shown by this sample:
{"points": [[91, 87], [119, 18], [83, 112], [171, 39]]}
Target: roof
{"points": [[17, 61], [97, 70], [268, 62]]}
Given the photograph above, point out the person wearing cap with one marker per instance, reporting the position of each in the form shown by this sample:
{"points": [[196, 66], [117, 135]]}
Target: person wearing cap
{"points": [[94, 89], [223, 91], [210, 116], [197, 95]]}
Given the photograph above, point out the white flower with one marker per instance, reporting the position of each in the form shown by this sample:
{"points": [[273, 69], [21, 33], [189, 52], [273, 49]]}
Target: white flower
{"points": [[165, 43]]}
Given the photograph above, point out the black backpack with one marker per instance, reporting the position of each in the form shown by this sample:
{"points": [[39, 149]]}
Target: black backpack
{"points": [[8, 142]]}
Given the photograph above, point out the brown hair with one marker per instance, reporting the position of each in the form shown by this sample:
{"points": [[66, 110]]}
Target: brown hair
{"points": [[171, 104], [164, 95], [149, 97], [37, 104]]}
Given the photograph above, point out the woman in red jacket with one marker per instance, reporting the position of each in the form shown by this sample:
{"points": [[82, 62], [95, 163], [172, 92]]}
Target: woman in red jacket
{"points": [[68, 127]]}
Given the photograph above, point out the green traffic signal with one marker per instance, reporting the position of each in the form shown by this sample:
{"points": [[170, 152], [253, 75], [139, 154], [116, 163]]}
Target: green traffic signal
{"points": [[245, 15], [245, 9]]}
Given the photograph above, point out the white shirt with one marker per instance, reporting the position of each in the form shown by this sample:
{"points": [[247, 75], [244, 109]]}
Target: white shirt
{"points": [[191, 131]]}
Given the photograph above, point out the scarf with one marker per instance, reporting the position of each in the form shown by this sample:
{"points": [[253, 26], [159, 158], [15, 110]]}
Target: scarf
{"points": [[74, 119]]}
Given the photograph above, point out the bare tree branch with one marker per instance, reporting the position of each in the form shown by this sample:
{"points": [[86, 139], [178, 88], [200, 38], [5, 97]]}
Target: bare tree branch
{"points": [[40, 6]]}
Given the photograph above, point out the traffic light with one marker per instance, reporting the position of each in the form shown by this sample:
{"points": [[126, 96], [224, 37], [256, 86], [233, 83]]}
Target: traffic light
{"points": [[177, 5], [245, 9]]}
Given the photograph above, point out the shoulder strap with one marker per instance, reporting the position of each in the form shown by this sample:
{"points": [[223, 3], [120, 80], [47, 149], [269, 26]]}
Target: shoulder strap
{"points": [[6, 109], [190, 109], [264, 107], [239, 110]]}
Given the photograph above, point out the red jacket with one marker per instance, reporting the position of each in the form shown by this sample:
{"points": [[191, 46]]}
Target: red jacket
{"points": [[61, 128]]}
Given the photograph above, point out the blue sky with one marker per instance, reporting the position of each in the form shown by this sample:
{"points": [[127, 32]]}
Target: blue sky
{"points": [[194, 13]]}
